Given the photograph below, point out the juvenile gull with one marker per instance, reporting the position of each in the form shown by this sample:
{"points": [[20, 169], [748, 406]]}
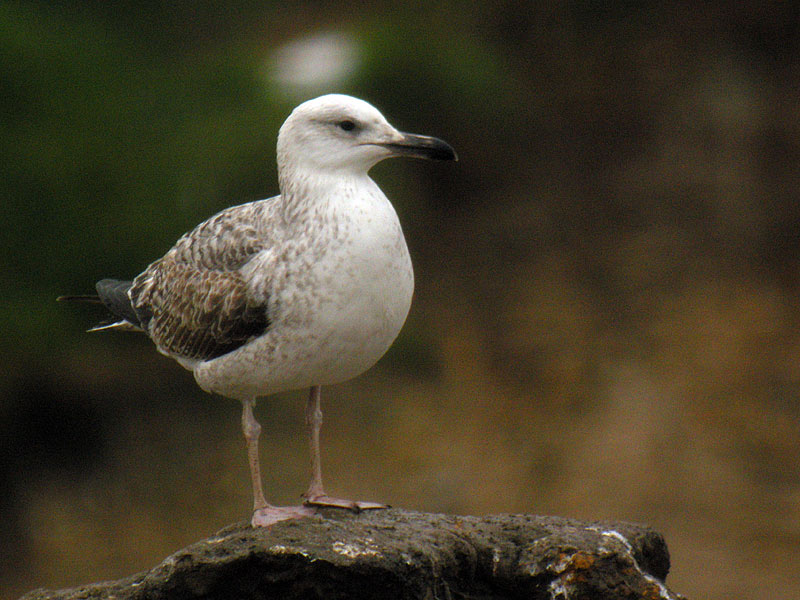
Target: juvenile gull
{"points": [[304, 289]]}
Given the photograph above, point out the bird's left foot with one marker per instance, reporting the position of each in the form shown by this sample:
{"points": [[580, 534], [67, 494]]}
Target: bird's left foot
{"points": [[269, 515], [324, 500]]}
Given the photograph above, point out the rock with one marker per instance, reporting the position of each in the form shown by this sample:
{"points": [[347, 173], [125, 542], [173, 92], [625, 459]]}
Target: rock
{"points": [[400, 554]]}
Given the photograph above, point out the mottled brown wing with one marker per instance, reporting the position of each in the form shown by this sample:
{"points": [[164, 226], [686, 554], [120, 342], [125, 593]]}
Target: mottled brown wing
{"points": [[194, 302]]}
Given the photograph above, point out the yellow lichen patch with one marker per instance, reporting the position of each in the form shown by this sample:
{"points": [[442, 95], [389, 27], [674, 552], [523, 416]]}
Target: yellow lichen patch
{"points": [[581, 561], [576, 561]]}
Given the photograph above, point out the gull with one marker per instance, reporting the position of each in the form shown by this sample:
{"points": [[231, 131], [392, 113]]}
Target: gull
{"points": [[304, 289]]}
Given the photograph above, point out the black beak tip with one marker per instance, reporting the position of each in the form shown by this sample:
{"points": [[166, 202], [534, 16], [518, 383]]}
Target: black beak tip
{"points": [[435, 148], [445, 152], [422, 146]]}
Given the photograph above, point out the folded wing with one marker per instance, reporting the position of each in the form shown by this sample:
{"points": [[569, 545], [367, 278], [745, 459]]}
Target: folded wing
{"points": [[195, 302]]}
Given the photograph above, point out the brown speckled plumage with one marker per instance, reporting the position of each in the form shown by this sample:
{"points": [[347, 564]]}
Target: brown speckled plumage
{"points": [[194, 302]]}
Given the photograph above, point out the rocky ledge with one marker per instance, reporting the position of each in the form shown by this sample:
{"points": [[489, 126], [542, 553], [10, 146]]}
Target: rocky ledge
{"points": [[400, 554]]}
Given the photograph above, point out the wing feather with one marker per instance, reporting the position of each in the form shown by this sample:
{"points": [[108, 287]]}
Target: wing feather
{"points": [[194, 301]]}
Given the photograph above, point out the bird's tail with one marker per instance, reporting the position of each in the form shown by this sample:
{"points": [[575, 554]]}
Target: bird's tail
{"points": [[89, 298], [113, 294]]}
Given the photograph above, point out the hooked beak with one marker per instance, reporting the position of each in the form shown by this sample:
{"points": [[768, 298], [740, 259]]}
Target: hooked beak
{"points": [[420, 146]]}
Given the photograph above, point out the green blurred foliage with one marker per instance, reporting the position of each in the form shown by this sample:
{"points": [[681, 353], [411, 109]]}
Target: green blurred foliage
{"points": [[606, 315]]}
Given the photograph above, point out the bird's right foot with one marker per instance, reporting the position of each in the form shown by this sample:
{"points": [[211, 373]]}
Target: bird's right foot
{"points": [[269, 515], [323, 500]]}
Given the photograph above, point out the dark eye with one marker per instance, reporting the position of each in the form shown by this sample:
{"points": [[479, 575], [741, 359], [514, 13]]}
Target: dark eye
{"points": [[346, 125]]}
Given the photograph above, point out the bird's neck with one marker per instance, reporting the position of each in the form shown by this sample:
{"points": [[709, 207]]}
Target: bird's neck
{"points": [[307, 194]]}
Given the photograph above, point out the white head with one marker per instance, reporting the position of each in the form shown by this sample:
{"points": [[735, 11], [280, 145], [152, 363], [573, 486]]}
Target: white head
{"points": [[344, 134]]}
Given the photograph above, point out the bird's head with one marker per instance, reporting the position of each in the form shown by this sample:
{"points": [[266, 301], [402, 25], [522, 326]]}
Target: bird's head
{"points": [[340, 133]]}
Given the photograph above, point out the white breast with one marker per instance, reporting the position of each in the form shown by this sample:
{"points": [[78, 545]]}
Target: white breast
{"points": [[340, 295]]}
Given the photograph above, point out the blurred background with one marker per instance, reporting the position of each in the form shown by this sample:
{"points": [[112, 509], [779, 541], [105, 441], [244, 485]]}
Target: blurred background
{"points": [[606, 322]]}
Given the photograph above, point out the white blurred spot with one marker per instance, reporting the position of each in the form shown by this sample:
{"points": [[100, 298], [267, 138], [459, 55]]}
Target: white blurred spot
{"points": [[315, 62]]}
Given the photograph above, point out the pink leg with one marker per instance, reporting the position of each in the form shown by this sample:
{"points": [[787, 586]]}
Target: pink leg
{"points": [[264, 514], [316, 496]]}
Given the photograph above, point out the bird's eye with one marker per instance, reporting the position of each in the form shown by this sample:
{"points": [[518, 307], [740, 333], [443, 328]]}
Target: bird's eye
{"points": [[346, 125]]}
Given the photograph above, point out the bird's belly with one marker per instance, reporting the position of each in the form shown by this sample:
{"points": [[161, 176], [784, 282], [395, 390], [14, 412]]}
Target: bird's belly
{"points": [[360, 300], [335, 320], [360, 316]]}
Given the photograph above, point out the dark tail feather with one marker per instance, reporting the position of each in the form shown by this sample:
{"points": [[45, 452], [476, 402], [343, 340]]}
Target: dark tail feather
{"points": [[113, 293], [91, 298]]}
